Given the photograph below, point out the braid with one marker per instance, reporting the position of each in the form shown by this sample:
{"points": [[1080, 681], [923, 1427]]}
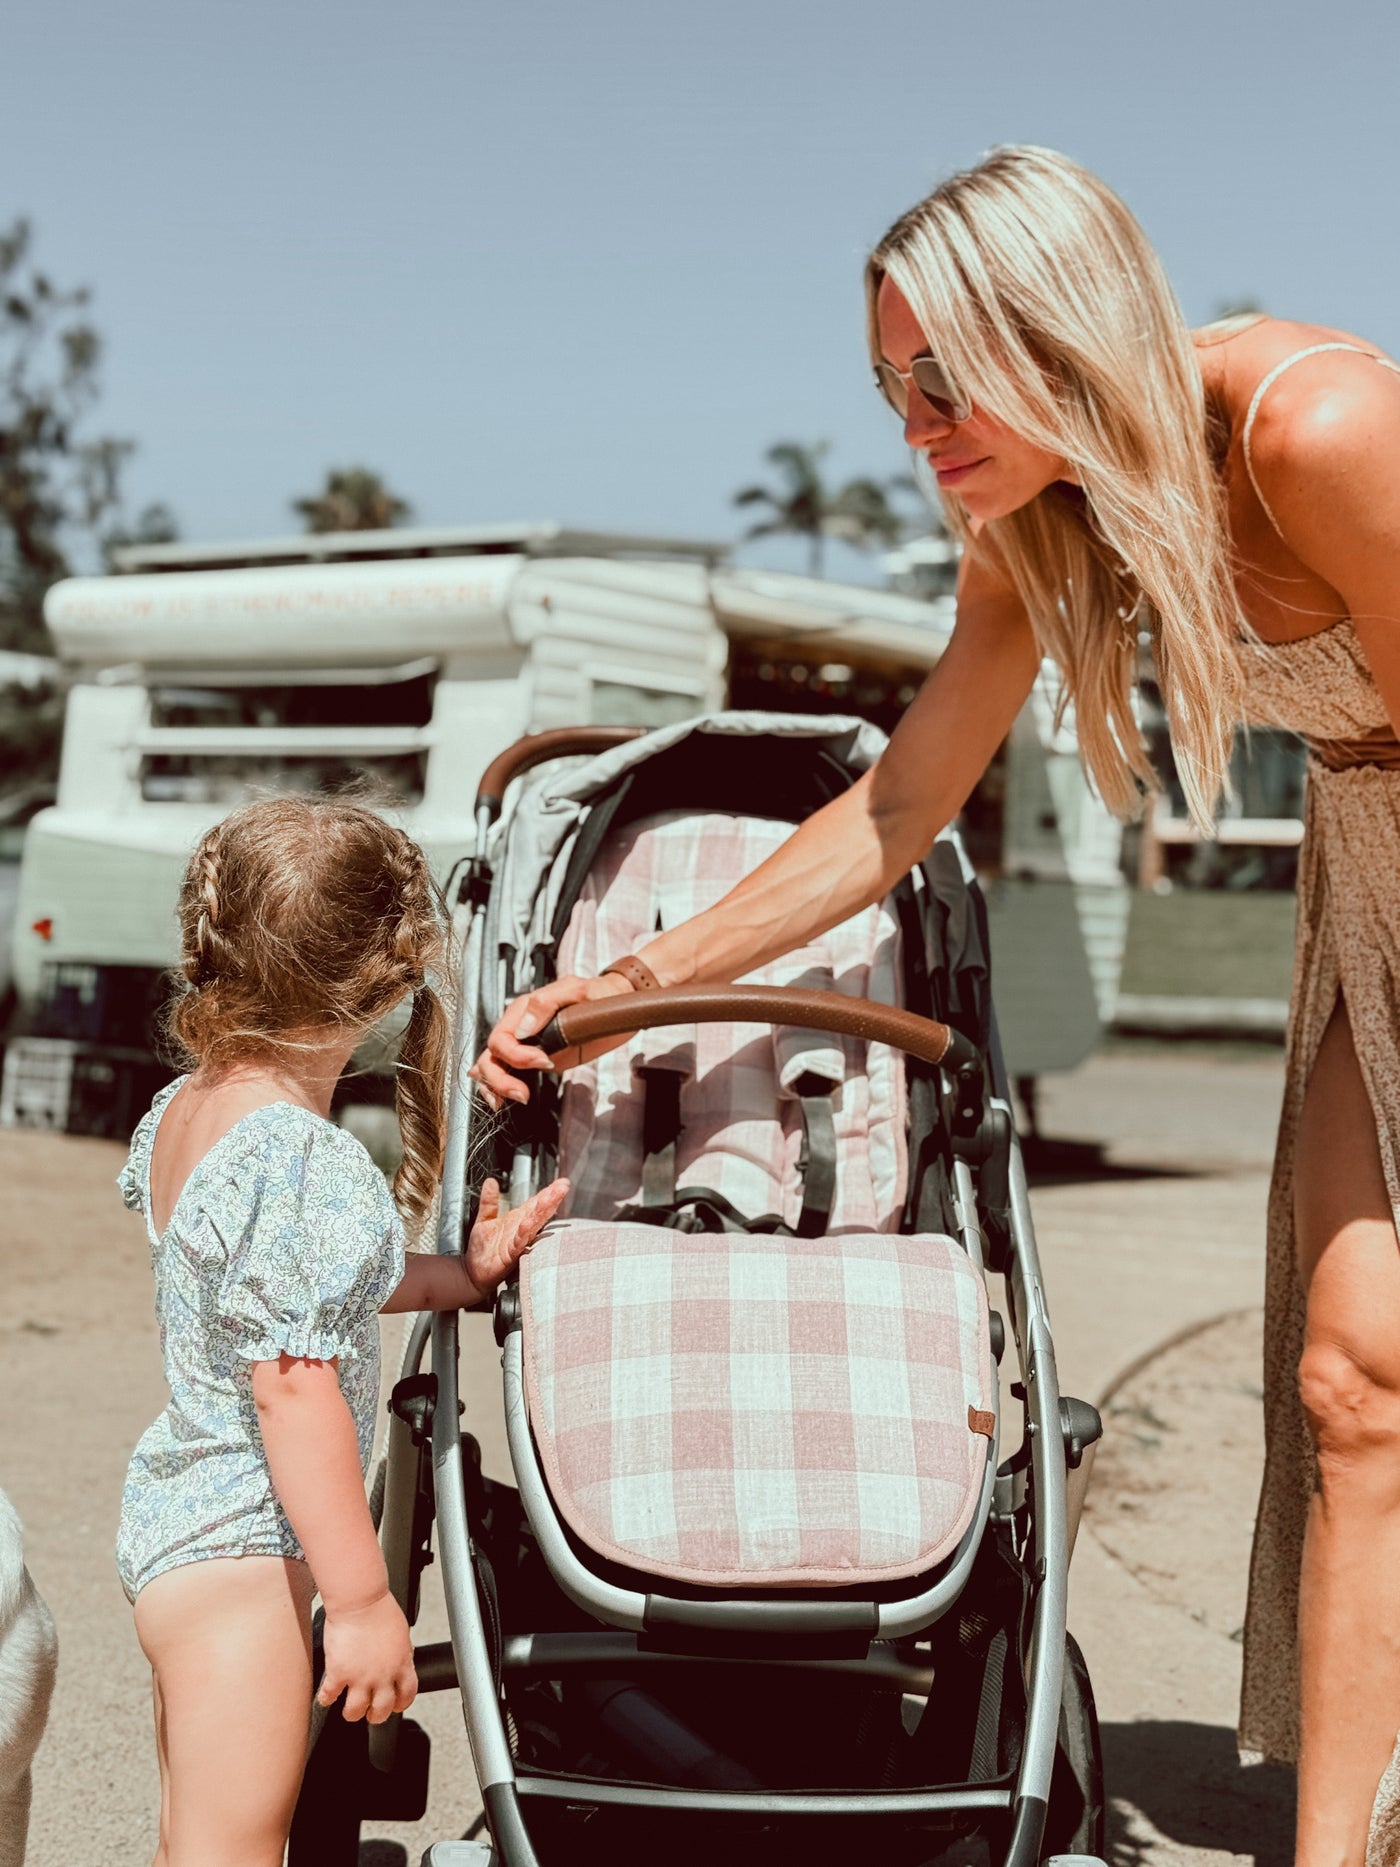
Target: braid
{"points": [[207, 952], [418, 1101], [416, 932], [207, 959]]}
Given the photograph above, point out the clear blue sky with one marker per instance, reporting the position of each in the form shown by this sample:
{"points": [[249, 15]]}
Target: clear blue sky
{"points": [[586, 259]]}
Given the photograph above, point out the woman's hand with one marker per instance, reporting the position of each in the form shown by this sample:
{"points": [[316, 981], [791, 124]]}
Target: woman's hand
{"points": [[369, 1657], [508, 1049], [499, 1238]]}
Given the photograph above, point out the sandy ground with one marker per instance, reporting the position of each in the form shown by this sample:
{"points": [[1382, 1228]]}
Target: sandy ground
{"points": [[1151, 1229]]}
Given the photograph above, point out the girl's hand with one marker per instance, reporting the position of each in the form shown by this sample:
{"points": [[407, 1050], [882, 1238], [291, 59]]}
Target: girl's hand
{"points": [[369, 1657], [508, 1049], [499, 1238]]}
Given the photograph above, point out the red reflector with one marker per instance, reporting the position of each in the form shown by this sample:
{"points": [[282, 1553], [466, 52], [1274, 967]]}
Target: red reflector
{"points": [[43, 928]]}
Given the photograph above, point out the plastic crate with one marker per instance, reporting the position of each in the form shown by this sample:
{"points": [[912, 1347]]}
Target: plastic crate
{"points": [[51, 1082], [36, 1087]]}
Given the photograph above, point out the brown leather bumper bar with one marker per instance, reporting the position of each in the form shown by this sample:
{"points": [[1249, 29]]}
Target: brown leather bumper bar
{"points": [[535, 748], [581, 1024]]}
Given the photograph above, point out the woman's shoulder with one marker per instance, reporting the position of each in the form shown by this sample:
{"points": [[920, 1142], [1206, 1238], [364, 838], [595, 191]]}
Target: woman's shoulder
{"points": [[1290, 387], [1319, 426]]}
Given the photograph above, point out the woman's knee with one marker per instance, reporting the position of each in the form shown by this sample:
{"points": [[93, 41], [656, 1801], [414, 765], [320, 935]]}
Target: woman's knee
{"points": [[1353, 1414]]}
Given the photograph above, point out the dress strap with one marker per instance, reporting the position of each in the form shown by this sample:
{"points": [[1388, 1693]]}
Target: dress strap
{"points": [[1312, 350]]}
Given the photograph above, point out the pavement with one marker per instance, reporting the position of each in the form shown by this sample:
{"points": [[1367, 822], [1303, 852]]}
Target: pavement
{"points": [[1149, 1200]]}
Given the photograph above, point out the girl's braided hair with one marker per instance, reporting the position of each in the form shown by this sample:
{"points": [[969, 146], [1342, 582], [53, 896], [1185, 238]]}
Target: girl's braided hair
{"points": [[298, 914]]}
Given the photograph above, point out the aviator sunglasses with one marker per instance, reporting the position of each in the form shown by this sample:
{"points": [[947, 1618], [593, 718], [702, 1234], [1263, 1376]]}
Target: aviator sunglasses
{"points": [[930, 379]]}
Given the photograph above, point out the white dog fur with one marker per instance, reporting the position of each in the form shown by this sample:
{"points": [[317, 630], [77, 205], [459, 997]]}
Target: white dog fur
{"points": [[28, 1659]]}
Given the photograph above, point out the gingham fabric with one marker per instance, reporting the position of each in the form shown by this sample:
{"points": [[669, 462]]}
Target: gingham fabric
{"points": [[740, 1117], [758, 1411]]}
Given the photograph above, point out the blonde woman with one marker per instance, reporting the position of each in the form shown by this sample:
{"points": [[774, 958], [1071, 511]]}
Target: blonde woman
{"points": [[1236, 492]]}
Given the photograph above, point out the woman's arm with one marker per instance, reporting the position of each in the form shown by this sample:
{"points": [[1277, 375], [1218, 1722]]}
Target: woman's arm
{"points": [[849, 853]]}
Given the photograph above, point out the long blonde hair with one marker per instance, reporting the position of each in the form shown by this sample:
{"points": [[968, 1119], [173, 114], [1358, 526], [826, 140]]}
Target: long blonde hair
{"points": [[1044, 300], [298, 913]]}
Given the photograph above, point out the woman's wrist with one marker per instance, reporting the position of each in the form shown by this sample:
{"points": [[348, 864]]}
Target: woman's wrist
{"points": [[666, 961]]}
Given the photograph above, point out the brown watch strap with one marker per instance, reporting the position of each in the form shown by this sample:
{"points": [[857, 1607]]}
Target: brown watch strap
{"points": [[636, 972]]}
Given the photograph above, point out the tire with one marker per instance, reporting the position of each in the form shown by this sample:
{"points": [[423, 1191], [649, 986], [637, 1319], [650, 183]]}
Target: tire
{"points": [[1074, 1823]]}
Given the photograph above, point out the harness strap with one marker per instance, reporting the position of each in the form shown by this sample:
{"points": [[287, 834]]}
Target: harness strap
{"points": [[816, 1160], [709, 1211], [661, 1128]]}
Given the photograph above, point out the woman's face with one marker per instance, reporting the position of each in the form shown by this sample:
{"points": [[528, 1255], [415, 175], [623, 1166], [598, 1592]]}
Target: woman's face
{"points": [[990, 470]]}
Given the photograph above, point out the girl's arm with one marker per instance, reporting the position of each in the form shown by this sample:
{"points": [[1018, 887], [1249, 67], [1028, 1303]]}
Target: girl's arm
{"points": [[433, 1281], [849, 853], [312, 1453]]}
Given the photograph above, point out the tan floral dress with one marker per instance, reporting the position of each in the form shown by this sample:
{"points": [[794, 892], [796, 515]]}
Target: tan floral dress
{"points": [[1348, 942]]}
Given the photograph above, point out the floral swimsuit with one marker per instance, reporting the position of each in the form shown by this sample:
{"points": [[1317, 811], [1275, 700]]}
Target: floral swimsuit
{"points": [[285, 1239]]}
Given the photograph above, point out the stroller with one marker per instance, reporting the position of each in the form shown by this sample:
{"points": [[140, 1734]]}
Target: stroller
{"points": [[783, 1572]]}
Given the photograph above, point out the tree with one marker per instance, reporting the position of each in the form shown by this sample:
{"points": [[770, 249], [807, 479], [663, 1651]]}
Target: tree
{"points": [[860, 513], [56, 484], [352, 500]]}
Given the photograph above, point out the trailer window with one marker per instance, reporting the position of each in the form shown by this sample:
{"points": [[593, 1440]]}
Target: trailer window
{"points": [[230, 778], [630, 703], [370, 701]]}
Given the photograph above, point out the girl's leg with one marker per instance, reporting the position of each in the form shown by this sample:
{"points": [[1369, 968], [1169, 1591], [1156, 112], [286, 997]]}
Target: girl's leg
{"points": [[162, 1854], [230, 1644], [1349, 1608]]}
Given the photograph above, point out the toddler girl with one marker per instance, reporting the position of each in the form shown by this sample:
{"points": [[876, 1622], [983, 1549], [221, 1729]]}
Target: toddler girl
{"points": [[275, 1244]]}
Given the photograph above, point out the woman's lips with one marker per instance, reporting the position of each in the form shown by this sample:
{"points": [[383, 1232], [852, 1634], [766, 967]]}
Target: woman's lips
{"points": [[950, 472]]}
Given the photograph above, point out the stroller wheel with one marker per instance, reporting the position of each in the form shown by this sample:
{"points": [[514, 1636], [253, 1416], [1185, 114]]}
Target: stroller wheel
{"points": [[1074, 1823]]}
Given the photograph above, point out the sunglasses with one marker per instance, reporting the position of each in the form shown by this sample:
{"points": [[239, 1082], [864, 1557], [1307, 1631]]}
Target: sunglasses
{"points": [[930, 379]]}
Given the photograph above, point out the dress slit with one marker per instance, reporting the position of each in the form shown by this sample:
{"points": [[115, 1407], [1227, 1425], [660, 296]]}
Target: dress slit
{"points": [[1348, 951]]}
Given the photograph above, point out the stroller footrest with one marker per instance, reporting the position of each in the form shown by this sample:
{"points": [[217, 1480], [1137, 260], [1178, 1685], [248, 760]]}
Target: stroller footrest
{"points": [[820, 1804]]}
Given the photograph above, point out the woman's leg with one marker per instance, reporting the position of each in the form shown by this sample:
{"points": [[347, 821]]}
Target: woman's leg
{"points": [[230, 1644], [1349, 1607]]}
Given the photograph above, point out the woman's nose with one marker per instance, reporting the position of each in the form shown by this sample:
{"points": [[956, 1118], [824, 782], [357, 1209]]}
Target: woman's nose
{"points": [[922, 424]]}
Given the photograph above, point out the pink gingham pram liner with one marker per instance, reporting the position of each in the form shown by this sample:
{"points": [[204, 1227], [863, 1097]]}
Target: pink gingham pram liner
{"points": [[740, 1411]]}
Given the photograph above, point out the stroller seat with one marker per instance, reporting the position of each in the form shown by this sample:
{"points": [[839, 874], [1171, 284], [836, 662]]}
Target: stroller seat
{"points": [[758, 1411], [728, 1108]]}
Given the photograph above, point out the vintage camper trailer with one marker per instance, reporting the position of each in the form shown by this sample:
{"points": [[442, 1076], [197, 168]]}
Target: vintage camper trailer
{"points": [[199, 674]]}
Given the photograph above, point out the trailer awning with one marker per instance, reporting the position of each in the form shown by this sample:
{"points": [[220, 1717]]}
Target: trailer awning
{"points": [[296, 615], [840, 618]]}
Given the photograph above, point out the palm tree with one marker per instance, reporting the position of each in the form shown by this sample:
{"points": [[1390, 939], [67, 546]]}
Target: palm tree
{"points": [[353, 500], [860, 512]]}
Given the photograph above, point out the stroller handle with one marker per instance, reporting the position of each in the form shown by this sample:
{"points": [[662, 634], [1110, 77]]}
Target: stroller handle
{"points": [[536, 748], [580, 1024]]}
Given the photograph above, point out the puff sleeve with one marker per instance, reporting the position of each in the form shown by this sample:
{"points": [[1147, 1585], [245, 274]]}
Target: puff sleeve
{"points": [[319, 1249]]}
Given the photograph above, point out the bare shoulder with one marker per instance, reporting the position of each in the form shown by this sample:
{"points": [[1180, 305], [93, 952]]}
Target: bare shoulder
{"points": [[1326, 411], [1325, 456]]}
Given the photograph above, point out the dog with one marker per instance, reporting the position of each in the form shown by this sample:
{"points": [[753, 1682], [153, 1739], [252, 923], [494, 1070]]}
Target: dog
{"points": [[28, 1661]]}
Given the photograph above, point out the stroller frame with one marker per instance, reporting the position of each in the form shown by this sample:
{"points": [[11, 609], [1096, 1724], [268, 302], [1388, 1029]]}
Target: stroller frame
{"points": [[648, 1628]]}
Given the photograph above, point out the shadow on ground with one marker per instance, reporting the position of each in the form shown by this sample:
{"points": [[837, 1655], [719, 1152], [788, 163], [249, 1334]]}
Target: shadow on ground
{"points": [[1187, 1780], [1052, 1162]]}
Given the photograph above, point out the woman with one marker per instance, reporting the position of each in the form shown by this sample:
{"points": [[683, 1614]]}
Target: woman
{"points": [[1236, 493]]}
